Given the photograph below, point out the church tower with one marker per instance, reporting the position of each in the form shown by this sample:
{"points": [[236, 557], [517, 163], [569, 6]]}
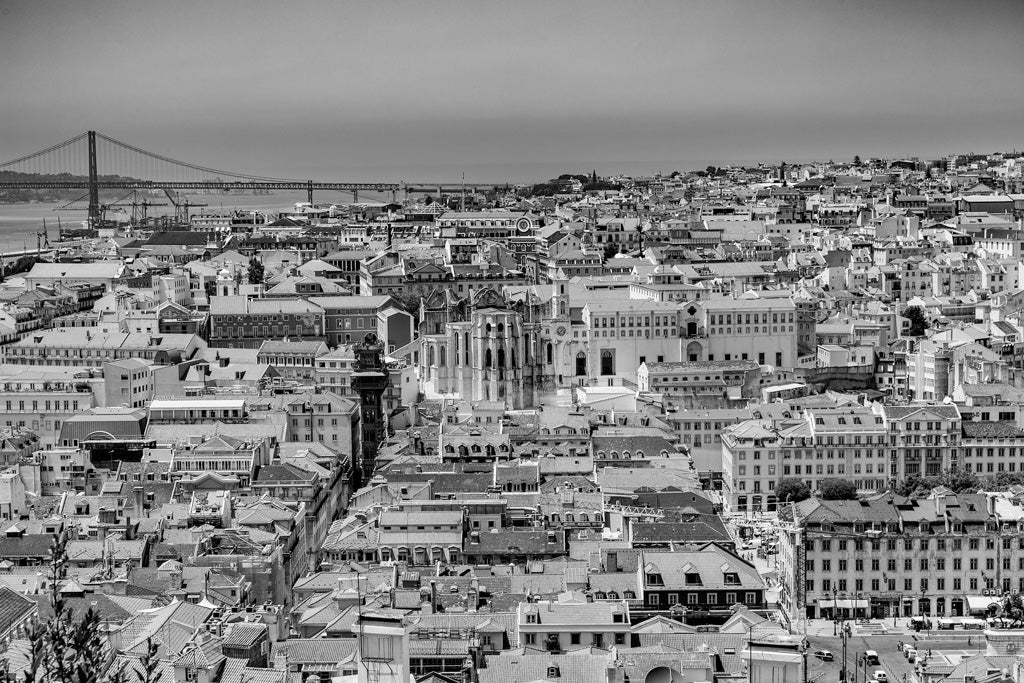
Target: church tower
{"points": [[226, 283]]}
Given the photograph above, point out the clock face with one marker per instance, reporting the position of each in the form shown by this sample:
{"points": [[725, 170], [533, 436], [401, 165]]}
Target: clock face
{"points": [[561, 331]]}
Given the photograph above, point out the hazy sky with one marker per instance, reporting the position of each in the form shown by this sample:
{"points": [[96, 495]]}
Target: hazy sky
{"points": [[340, 89]]}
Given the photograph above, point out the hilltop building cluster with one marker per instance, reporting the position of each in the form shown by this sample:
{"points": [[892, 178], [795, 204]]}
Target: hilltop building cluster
{"points": [[527, 434]]}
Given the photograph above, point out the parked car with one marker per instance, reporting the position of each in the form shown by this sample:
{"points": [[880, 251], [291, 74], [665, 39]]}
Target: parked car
{"points": [[824, 655], [880, 676]]}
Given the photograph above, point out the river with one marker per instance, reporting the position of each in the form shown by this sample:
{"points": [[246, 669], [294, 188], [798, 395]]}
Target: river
{"points": [[19, 223]]}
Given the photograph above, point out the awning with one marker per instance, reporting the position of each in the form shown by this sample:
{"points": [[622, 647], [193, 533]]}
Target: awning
{"points": [[980, 603], [843, 604]]}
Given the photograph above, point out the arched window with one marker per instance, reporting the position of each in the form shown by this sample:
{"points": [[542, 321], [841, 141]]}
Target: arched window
{"points": [[476, 448], [599, 595], [555, 517], [513, 364], [487, 358], [584, 517], [551, 354], [490, 449], [581, 364], [487, 328], [526, 348], [626, 455], [607, 362], [442, 359], [501, 329], [569, 517], [465, 347], [448, 448], [430, 356], [639, 454], [501, 357]]}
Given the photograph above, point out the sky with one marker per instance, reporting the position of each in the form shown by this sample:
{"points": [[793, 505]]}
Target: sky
{"points": [[423, 91]]}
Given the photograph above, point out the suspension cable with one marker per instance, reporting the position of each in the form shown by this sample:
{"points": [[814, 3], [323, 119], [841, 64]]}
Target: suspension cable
{"points": [[195, 167], [41, 152]]}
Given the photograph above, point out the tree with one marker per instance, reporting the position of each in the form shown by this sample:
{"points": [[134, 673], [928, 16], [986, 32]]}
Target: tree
{"points": [[1004, 480], [65, 649], [610, 250], [711, 170], [256, 271], [918, 322], [792, 491], [856, 160], [837, 489]]}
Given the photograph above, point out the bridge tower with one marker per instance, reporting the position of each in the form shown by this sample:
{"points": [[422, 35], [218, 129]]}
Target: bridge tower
{"points": [[370, 380], [94, 188]]}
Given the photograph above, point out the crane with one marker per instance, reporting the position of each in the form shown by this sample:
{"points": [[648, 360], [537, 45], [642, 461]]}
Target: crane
{"points": [[180, 208]]}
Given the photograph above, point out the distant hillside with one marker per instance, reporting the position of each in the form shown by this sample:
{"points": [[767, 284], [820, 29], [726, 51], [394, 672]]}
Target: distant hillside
{"points": [[51, 195]]}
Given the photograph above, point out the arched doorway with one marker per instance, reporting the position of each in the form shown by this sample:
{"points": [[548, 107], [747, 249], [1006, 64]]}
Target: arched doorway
{"points": [[693, 351], [581, 363], [607, 362]]}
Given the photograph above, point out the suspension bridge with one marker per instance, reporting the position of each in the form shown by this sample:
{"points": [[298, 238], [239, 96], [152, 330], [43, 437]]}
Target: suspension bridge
{"points": [[93, 161]]}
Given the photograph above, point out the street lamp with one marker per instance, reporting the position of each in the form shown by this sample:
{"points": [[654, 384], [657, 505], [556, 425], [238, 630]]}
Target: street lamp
{"points": [[835, 610], [845, 633]]}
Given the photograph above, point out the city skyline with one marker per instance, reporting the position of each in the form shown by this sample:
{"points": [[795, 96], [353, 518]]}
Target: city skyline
{"points": [[389, 89]]}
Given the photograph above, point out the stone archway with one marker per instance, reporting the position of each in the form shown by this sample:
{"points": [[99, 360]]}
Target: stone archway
{"points": [[693, 351]]}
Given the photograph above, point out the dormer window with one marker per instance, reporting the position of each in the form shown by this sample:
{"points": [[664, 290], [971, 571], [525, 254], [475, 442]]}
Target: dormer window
{"points": [[732, 579], [553, 671], [692, 579], [531, 618]]}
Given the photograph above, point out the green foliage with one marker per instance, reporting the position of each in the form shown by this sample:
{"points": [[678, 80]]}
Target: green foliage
{"points": [[792, 490], [856, 160], [610, 250], [837, 489], [256, 271], [918, 322]]}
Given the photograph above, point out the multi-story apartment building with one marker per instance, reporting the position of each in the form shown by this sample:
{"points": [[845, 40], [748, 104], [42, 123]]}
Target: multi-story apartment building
{"points": [[503, 224], [42, 401], [707, 384], [294, 360], [822, 443], [944, 555], [241, 322], [82, 346], [348, 319], [924, 440]]}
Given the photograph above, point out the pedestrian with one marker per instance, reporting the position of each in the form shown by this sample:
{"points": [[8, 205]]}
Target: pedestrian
{"points": [[968, 641]]}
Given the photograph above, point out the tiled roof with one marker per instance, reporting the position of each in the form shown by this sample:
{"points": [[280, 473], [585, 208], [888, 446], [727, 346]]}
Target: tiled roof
{"points": [[13, 608]]}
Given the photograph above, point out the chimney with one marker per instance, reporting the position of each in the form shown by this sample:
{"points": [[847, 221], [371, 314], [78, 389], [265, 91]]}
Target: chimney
{"points": [[138, 502], [433, 597], [611, 562], [991, 500], [940, 505], [474, 595]]}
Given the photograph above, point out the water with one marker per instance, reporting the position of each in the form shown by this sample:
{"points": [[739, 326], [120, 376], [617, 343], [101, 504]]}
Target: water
{"points": [[19, 223]]}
